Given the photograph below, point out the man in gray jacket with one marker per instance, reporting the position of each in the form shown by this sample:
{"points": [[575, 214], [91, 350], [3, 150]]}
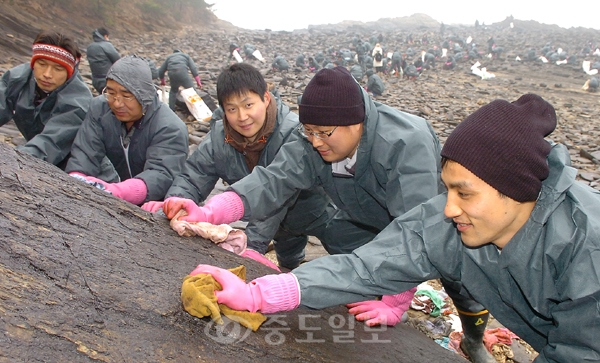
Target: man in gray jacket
{"points": [[46, 98], [374, 83], [373, 161], [251, 127], [145, 141], [177, 65], [514, 229], [101, 55]]}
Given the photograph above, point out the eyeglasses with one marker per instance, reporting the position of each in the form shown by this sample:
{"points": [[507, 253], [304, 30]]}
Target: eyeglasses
{"points": [[112, 98], [321, 135]]}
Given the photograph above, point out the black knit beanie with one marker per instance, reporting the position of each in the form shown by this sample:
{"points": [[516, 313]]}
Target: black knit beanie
{"points": [[332, 98], [503, 144]]}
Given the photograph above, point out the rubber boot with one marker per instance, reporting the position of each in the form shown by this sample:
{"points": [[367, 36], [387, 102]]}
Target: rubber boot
{"points": [[472, 339]]}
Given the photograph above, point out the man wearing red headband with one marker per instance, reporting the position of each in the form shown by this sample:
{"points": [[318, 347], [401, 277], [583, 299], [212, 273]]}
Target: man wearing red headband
{"points": [[45, 98]]}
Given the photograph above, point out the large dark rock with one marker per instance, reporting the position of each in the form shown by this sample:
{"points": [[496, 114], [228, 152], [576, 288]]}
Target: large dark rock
{"points": [[88, 277]]}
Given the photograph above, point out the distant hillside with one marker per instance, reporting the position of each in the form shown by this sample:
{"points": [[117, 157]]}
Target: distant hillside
{"points": [[21, 20], [415, 21]]}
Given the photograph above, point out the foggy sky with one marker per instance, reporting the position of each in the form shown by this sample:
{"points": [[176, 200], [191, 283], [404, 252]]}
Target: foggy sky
{"points": [[280, 15]]}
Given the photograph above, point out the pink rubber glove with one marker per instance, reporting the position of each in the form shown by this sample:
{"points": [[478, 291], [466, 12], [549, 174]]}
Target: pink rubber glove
{"points": [[172, 206], [223, 208], [197, 78], [388, 310], [131, 190], [162, 82], [152, 207], [256, 256], [267, 294]]}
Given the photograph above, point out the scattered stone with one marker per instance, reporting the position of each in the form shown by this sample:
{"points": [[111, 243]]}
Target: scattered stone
{"points": [[588, 156], [589, 176]]}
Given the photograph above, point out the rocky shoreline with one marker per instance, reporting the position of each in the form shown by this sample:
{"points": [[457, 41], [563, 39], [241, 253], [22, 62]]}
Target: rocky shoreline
{"points": [[444, 97]]}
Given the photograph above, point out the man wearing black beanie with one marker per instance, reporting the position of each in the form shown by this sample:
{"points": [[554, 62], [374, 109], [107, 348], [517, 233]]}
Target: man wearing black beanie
{"points": [[515, 230], [373, 161]]}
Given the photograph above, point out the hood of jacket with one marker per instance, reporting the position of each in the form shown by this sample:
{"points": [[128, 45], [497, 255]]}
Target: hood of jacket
{"points": [[97, 36], [133, 73]]}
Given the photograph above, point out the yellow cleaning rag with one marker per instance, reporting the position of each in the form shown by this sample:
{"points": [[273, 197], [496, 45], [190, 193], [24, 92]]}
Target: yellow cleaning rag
{"points": [[199, 299]]}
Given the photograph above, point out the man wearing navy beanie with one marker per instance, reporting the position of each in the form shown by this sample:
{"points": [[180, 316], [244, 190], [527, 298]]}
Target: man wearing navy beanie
{"points": [[373, 161], [515, 230]]}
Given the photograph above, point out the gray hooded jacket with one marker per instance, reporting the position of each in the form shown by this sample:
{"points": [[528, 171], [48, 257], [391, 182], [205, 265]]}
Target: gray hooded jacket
{"points": [[158, 147], [177, 61], [397, 168], [50, 127], [544, 285], [101, 55], [375, 83]]}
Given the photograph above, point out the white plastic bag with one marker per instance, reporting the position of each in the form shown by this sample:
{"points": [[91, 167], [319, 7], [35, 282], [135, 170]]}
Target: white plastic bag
{"points": [[483, 73], [587, 68], [196, 105], [237, 56], [258, 56], [163, 94]]}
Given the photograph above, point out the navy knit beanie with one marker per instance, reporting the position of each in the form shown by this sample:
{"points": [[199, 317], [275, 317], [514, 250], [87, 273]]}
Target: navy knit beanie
{"points": [[332, 98], [503, 144]]}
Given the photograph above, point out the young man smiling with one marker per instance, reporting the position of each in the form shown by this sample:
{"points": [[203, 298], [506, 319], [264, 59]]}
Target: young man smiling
{"points": [[46, 98], [515, 230], [479, 214], [255, 124], [146, 142], [373, 161]]}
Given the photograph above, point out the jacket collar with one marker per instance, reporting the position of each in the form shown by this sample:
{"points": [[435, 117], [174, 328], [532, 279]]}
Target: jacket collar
{"points": [[561, 178], [366, 140]]}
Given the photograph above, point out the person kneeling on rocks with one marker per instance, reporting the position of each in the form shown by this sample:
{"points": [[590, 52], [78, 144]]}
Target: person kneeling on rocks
{"points": [[251, 127], [514, 229], [373, 161], [374, 83], [177, 65], [46, 98], [591, 85], [144, 142]]}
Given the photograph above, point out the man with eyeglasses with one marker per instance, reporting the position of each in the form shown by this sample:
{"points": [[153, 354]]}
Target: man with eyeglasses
{"points": [[146, 142], [46, 98], [374, 162], [515, 229]]}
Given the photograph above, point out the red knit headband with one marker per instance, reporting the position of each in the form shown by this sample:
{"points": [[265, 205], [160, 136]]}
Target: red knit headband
{"points": [[55, 54]]}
